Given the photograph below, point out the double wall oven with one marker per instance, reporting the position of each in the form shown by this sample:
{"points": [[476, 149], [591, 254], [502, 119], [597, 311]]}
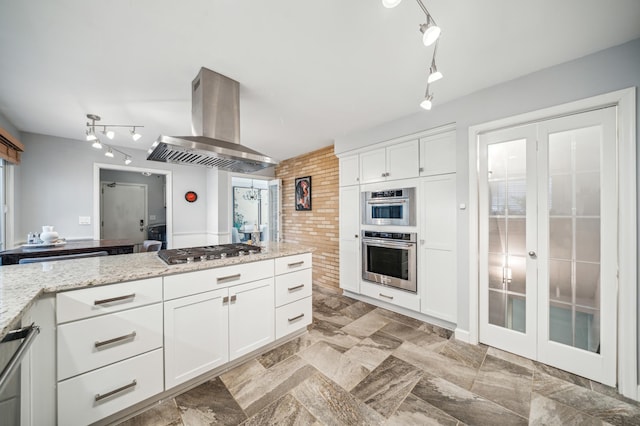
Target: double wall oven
{"points": [[389, 254]]}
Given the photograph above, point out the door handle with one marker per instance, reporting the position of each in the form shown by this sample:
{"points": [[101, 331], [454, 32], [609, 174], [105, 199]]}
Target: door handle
{"points": [[532, 254]]}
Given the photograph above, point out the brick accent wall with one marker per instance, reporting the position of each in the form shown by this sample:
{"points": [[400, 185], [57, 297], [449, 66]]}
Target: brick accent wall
{"points": [[317, 228]]}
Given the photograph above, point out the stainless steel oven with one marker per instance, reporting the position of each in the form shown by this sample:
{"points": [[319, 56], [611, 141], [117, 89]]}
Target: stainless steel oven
{"points": [[389, 258], [389, 207]]}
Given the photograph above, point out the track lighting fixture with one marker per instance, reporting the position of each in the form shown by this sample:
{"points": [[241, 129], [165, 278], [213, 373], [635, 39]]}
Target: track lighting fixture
{"points": [[91, 132], [106, 131], [430, 34]]}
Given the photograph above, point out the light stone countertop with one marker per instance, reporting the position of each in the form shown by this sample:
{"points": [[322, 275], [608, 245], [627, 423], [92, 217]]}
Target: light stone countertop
{"points": [[20, 285]]}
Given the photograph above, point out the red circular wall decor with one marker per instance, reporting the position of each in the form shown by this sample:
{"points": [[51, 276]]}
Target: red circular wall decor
{"points": [[191, 196]]}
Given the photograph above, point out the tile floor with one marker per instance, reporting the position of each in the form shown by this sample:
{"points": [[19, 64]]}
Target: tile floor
{"points": [[363, 365]]}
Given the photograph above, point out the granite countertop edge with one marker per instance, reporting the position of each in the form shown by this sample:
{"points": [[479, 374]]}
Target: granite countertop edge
{"points": [[22, 285]]}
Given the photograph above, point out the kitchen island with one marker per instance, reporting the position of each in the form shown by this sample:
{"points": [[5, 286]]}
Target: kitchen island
{"points": [[119, 333], [20, 285]]}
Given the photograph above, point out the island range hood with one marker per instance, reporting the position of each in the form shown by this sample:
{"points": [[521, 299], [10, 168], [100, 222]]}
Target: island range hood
{"points": [[215, 123]]}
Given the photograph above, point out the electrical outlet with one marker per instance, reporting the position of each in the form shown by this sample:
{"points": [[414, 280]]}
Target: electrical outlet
{"points": [[84, 220]]}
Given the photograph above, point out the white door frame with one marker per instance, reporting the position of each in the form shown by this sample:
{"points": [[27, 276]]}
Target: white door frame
{"points": [[96, 195], [625, 100]]}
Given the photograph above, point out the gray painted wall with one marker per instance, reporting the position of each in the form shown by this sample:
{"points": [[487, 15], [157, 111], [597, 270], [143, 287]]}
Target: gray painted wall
{"points": [[55, 181], [605, 71], [8, 126]]}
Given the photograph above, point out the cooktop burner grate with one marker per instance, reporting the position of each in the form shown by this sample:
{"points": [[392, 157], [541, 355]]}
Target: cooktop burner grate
{"points": [[200, 254]]}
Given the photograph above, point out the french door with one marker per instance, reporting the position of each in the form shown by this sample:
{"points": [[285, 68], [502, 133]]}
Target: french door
{"points": [[548, 245]]}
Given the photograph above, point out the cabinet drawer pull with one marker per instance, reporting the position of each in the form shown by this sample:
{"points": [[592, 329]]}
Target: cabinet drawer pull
{"points": [[99, 397], [296, 317], [384, 295], [295, 264], [225, 300], [228, 278], [298, 287], [131, 335], [233, 298], [114, 299]]}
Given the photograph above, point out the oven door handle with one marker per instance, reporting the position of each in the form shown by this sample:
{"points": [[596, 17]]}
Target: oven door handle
{"points": [[387, 244], [388, 201]]}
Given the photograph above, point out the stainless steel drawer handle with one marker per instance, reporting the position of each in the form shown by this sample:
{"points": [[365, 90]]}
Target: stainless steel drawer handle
{"points": [[114, 299], [99, 397], [388, 297], [296, 318], [233, 298], [99, 344], [298, 287], [225, 300], [294, 264], [228, 278]]}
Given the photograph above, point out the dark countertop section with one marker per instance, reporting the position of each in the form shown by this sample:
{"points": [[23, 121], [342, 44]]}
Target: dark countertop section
{"points": [[12, 257]]}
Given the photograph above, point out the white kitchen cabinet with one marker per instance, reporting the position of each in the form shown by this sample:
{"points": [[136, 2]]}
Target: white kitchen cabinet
{"points": [[405, 299], [293, 286], [350, 238], [349, 170], [293, 294], [196, 330], [437, 247], [399, 161], [293, 316], [438, 154], [109, 349], [251, 317]]}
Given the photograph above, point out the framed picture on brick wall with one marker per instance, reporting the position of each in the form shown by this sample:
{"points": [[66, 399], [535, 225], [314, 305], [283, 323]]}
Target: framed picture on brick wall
{"points": [[303, 193]]}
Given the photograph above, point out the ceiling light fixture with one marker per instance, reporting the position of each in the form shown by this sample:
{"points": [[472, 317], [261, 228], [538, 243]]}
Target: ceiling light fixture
{"points": [[430, 34], [91, 132], [110, 152], [252, 194]]}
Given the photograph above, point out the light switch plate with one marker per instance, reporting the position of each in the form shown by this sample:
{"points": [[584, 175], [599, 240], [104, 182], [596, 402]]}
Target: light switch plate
{"points": [[84, 220]]}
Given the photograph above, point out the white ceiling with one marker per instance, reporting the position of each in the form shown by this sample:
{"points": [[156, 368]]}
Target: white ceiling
{"points": [[308, 71]]}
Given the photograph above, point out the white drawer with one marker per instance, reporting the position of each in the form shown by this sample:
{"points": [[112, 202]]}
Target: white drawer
{"points": [[129, 382], [293, 317], [90, 302], [95, 342], [189, 283], [293, 263], [293, 286], [391, 295]]}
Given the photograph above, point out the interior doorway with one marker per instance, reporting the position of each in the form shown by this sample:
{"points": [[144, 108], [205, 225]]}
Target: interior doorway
{"points": [[255, 209], [156, 220]]}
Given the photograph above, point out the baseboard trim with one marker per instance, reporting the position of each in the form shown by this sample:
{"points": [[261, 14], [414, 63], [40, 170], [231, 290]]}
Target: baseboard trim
{"points": [[462, 335]]}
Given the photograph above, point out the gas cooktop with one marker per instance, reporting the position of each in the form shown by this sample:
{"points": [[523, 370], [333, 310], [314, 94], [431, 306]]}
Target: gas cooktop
{"points": [[200, 254]]}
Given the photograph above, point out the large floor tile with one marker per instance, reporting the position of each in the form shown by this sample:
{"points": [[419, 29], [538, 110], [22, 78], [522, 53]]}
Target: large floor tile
{"points": [[411, 334], [255, 394], [366, 325], [436, 364], [242, 373], [333, 364], [209, 404], [163, 414], [414, 411], [371, 351], [505, 383], [464, 405], [286, 411], [464, 353], [547, 412], [332, 405], [325, 331], [357, 309], [512, 358], [284, 351], [388, 385]]}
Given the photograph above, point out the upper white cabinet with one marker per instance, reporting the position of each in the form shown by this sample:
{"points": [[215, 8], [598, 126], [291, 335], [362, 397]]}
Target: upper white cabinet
{"points": [[438, 154], [349, 170], [399, 161]]}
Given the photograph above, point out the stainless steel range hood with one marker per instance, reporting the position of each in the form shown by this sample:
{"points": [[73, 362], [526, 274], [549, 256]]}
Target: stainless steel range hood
{"points": [[215, 122]]}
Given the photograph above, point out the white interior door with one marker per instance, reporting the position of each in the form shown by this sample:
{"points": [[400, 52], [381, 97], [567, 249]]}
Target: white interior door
{"points": [[123, 211], [548, 245]]}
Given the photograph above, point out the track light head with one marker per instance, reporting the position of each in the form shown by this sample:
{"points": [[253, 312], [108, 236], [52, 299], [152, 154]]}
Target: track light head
{"points": [[127, 160], [430, 31], [427, 101], [390, 3], [91, 136], [109, 153], [108, 133], [96, 144], [135, 135], [434, 74]]}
